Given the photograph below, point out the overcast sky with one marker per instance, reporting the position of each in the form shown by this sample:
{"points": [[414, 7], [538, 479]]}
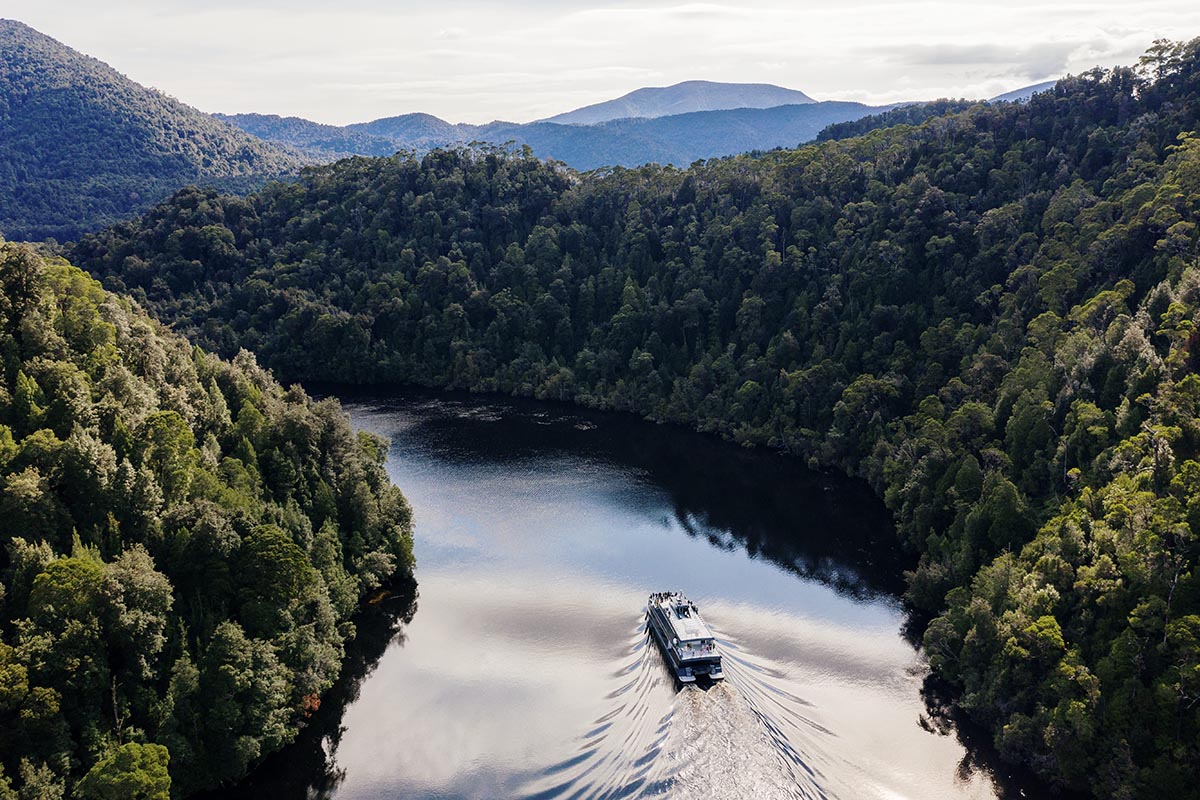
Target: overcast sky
{"points": [[344, 61]]}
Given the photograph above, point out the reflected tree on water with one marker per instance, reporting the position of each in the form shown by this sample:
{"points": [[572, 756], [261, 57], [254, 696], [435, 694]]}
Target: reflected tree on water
{"points": [[308, 768]]}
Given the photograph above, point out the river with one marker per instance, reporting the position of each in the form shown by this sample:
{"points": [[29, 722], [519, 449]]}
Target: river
{"points": [[523, 670]]}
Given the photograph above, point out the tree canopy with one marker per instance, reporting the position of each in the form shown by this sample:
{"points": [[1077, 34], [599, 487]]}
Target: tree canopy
{"points": [[182, 543]]}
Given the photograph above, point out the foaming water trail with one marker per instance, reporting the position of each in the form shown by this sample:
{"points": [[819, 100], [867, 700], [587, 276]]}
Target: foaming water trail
{"points": [[747, 737], [719, 747], [620, 755], [804, 746]]}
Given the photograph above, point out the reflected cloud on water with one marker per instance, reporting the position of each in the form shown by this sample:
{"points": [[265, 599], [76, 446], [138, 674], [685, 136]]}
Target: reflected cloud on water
{"points": [[528, 673]]}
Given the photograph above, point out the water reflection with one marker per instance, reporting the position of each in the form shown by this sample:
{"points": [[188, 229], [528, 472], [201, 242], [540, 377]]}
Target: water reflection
{"points": [[821, 526], [528, 674], [308, 768]]}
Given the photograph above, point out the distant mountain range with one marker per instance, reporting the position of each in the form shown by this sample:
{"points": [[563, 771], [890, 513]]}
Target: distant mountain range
{"points": [[678, 139], [676, 124], [82, 145], [684, 98]]}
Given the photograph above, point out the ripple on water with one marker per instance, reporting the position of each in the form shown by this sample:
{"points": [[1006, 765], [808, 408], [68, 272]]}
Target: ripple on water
{"points": [[526, 675], [733, 739]]}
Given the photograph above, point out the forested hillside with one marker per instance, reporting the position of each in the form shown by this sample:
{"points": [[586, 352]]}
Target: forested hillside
{"points": [[911, 114], [322, 142], [82, 146], [991, 317], [182, 544]]}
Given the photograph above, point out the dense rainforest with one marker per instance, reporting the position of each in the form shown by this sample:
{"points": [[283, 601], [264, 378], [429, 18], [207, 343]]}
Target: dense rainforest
{"points": [[182, 545], [991, 317], [82, 146], [910, 114]]}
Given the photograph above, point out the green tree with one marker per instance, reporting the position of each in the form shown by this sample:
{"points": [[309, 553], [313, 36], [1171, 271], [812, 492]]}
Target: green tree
{"points": [[130, 772]]}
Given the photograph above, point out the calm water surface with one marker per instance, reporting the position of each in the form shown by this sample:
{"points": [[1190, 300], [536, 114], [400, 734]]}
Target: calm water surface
{"points": [[522, 670]]}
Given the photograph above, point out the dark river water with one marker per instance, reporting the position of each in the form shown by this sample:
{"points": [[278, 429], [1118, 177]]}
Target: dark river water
{"points": [[522, 668]]}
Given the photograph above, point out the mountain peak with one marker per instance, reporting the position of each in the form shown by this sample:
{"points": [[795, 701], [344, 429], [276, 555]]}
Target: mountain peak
{"points": [[683, 98], [16, 26], [1024, 93]]}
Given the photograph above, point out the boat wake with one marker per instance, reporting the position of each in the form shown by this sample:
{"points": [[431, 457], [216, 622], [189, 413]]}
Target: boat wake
{"points": [[620, 756], [718, 747], [733, 739]]}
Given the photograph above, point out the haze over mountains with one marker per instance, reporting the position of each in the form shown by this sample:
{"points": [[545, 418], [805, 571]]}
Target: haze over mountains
{"points": [[82, 145], [678, 139], [677, 125], [683, 98]]}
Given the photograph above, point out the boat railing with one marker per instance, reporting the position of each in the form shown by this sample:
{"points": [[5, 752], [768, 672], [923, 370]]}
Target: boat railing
{"points": [[690, 650]]}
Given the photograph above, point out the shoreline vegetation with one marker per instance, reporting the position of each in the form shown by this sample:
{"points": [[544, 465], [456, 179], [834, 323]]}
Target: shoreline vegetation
{"points": [[991, 317], [183, 543]]}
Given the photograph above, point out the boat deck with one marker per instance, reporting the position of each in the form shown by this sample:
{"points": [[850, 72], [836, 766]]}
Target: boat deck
{"points": [[684, 637]]}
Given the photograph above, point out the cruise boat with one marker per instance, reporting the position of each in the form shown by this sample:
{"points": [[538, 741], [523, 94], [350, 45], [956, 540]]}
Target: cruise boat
{"points": [[686, 641]]}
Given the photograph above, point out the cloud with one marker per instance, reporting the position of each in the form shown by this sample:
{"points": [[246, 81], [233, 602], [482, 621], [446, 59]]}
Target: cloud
{"points": [[957, 54], [1044, 58], [706, 13], [473, 61]]}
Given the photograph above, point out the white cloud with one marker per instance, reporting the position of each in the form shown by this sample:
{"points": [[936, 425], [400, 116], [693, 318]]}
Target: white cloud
{"points": [[473, 61]]}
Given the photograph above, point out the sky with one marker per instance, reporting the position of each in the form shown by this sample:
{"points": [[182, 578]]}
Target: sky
{"points": [[474, 61]]}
